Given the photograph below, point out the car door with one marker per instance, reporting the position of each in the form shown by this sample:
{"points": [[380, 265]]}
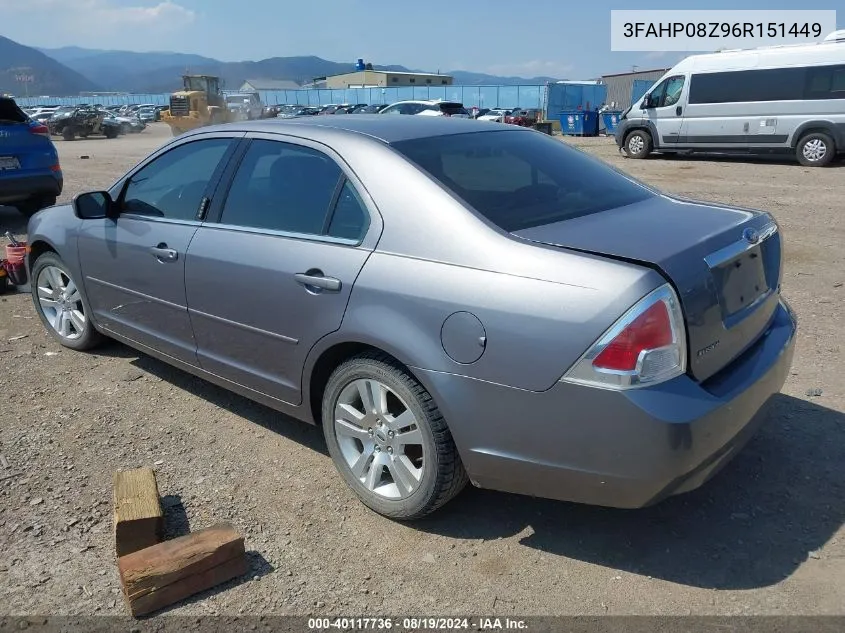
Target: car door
{"points": [[274, 274], [664, 109], [133, 264]]}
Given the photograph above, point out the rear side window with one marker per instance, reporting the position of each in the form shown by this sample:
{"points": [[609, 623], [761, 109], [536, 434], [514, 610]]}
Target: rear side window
{"points": [[519, 180], [282, 187]]}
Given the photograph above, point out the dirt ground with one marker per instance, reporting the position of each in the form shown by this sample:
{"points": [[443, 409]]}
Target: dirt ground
{"points": [[764, 537]]}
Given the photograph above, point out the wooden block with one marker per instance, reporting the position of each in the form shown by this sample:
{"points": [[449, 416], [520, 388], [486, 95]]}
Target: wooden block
{"points": [[168, 572], [138, 516]]}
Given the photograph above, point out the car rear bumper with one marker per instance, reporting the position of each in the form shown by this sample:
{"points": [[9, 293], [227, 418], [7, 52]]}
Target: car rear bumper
{"points": [[17, 188], [619, 449]]}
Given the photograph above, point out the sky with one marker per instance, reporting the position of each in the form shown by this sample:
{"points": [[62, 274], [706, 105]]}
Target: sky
{"points": [[560, 38]]}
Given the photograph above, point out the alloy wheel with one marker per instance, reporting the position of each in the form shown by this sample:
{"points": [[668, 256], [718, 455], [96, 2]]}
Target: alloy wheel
{"points": [[379, 439], [61, 302]]}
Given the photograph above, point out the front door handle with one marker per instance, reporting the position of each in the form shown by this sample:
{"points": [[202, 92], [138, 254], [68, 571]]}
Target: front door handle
{"points": [[679, 110], [314, 279], [164, 254]]}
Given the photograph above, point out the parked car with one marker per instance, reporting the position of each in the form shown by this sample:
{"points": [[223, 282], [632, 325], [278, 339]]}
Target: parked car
{"points": [[451, 301], [526, 117], [475, 113], [299, 111], [373, 108], [148, 114], [428, 108], [246, 106], [497, 115], [350, 109], [30, 174], [83, 122], [129, 124]]}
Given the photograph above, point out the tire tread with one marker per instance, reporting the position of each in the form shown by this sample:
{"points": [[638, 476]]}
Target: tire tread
{"points": [[451, 475]]}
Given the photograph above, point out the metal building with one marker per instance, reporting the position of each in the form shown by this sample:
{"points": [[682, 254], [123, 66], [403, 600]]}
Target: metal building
{"points": [[620, 86]]}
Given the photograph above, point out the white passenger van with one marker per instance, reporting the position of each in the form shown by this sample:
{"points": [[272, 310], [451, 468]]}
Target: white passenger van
{"points": [[763, 100]]}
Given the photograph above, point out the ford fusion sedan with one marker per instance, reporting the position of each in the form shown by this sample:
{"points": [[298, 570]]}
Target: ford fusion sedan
{"points": [[450, 301]]}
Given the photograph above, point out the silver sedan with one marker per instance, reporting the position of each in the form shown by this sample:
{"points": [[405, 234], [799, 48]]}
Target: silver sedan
{"points": [[451, 300]]}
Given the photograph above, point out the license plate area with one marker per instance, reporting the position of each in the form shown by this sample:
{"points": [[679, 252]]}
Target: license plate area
{"points": [[9, 163], [741, 281]]}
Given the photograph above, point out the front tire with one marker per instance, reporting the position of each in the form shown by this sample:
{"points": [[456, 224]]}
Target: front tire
{"points": [[61, 305], [388, 439], [638, 144], [69, 133], [815, 149]]}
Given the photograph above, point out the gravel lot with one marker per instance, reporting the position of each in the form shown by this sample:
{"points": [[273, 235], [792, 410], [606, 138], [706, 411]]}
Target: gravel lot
{"points": [[764, 537]]}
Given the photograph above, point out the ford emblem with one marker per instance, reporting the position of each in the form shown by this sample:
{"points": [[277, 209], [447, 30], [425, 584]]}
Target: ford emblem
{"points": [[751, 236]]}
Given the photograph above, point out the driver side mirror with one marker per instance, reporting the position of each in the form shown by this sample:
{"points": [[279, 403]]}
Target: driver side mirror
{"points": [[93, 205]]}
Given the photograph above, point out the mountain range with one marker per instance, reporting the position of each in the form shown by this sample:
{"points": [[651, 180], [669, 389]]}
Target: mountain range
{"points": [[71, 70], [27, 70]]}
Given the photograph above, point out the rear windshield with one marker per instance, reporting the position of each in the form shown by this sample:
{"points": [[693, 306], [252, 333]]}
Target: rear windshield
{"points": [[519, 180], [11, 113]]}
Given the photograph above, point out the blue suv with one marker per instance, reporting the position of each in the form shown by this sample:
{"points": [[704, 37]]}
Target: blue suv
{"points": [[30, 174]]}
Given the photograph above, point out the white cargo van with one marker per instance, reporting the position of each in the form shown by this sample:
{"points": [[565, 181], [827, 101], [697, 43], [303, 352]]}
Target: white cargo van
{"points": [[762, 100]]}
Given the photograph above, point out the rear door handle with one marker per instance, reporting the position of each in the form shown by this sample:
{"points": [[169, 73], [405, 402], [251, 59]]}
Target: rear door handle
{"points": [[164, 254], [315, 279]]}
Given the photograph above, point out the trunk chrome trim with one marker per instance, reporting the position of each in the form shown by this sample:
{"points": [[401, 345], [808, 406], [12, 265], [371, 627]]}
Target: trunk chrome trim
{"points": [[729, 252]]}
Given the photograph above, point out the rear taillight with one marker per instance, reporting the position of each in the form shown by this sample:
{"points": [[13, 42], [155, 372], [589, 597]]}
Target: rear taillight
{"points": [[646, 346], [40, 129]]}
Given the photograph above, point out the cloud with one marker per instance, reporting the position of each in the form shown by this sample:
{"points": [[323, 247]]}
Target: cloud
{"points": [[533, 68], [105, 21]]}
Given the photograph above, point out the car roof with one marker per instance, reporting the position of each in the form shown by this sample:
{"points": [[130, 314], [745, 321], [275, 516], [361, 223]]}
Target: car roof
{"points": [[389, 129]]}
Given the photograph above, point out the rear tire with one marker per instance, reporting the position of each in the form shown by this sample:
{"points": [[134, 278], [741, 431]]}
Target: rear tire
{"points": [[69, 133], [61, 304], [815, 149], [111, 133], [638, 144], [401, 480]]}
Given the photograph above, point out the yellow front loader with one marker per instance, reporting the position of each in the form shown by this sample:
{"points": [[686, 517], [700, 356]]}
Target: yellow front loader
{"points": [[199, 103]]}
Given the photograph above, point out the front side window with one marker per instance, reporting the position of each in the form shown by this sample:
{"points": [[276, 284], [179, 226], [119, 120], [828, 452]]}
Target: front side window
{"points": [[394, 109], [666, 93], [282, 187], [674, 87], [172, 185], [521, 180]]}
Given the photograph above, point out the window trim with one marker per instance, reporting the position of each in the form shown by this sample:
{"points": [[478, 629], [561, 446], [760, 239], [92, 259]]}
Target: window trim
{"points": [[123, 184], [373, 223]]}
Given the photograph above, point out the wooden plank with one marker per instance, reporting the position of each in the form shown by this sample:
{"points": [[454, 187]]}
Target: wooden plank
{"points": [[138, 515], [168, 572]]}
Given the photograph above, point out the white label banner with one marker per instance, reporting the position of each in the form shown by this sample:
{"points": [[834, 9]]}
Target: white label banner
{"points": [[712, 30]]}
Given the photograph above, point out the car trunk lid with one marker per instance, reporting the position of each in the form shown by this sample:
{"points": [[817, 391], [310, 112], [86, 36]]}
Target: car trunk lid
{"points": [[725, 264]]}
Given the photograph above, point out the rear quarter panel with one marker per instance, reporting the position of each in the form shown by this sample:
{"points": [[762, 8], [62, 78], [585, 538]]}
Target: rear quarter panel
{"points": [[535, 329]]}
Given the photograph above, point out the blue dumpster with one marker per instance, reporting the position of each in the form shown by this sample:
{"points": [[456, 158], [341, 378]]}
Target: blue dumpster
{"points": [[610, 120], [579, 123]]}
